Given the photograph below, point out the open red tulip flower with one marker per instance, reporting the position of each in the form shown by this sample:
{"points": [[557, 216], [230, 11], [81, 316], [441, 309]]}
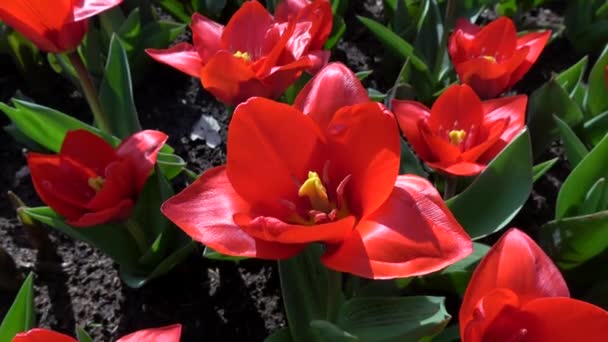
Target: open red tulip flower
{"points": [[256, 54], [89, 182], [169, 333], [324, 170], [460, 134], [53, 26], [517, 294], [491, 59]]}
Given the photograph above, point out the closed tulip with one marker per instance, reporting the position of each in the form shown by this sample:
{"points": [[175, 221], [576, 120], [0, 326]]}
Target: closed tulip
{"points": [[169, 333]]}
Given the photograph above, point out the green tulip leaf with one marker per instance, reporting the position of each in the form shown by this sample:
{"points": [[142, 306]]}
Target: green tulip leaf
{"points": [[211, 253], [327, 331], [595, 128], [498, 193], [540, 169], [82, 335], [570, 78], [21, 316], [171, 164], [597, 100], [575, 148], [281, 335], [393, 318]]}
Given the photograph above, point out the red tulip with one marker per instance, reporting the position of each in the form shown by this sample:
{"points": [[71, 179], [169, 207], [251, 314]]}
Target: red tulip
{"points": [[460, 134], [53, 26], [169, 333], [517, 294], [324, 170], [255, 54], [493, 58], [89, 182]]}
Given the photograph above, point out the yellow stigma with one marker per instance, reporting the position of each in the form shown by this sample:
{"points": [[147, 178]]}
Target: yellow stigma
{"points": [[489, 58], [457, 136], [243, 55], [315, 191], [97, 183]]}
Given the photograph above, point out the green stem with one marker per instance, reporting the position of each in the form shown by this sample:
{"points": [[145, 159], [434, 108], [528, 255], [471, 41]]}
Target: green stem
{"points": [[138, 235], [334, 294], [90, 91], [448, 23], [451, 185]]}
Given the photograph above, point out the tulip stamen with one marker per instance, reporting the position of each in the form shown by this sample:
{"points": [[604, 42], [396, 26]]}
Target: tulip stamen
{"points": [[314, 189], [97, 183], [489, 58], [243, 55], [457, 136]]}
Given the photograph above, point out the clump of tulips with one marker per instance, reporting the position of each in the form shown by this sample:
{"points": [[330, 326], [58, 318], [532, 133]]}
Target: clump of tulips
{"points": [[343, 186]]}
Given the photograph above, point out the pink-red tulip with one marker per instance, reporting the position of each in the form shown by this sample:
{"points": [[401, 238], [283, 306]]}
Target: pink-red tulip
{"points": [[169, 333], [255, 54], [461, 134], [517, 294], [89, 182], [324, 170], [491, 59], [53, 26]]}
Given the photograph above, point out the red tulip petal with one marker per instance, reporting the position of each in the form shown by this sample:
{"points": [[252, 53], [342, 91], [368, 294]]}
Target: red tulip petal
{"points": [[458, 47], [498, 39], [372, 162], [467, 27], [413, 233], [60, 183], [408, 114], [271, 147], [457, 108], [515, 262], [207, 36], [84, 9], [275, 230], [289, 9], [490, 138], [319, 59], [278, 48], [460, 168], [567, 319], [118, 185], [204, 210], [246, 30], [231, 79], [141, 150], [281, 77], [441, 149], [183, 57], [513, 108], [536, 43], [334, 87], [320, 14], [42, 335], [48, 24], [171, 333], [119, 212], [88, 149]]}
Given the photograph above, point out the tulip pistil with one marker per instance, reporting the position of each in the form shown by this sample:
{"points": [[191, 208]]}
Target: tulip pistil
{"points": [[97, 183], [489, 58], [243, 55], [314, 189], [457, 136]]}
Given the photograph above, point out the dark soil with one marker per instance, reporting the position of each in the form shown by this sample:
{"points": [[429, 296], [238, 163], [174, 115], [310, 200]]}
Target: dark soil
{"points": [[76, 285]]}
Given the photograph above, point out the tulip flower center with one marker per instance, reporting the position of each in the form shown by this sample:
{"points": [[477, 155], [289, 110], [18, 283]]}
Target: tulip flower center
{"points": [[243, 55], [489, 58], [457, 136], [97, 183], [324, 206]]}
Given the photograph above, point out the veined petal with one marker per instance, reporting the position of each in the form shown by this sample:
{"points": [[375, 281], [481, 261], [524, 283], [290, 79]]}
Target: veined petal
{"points": [[84, 9], [204, 211], [272, 229], [334, 87], [516, 263], [88, 149], [413, 233], [119, 212], [372, 162], [246, 30], [206, 35], [141, 150], [535, 42], [171, 333], [271, 149], [42, 335], [231, 79], [409, 114], [183, 57], [565, 319]]}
